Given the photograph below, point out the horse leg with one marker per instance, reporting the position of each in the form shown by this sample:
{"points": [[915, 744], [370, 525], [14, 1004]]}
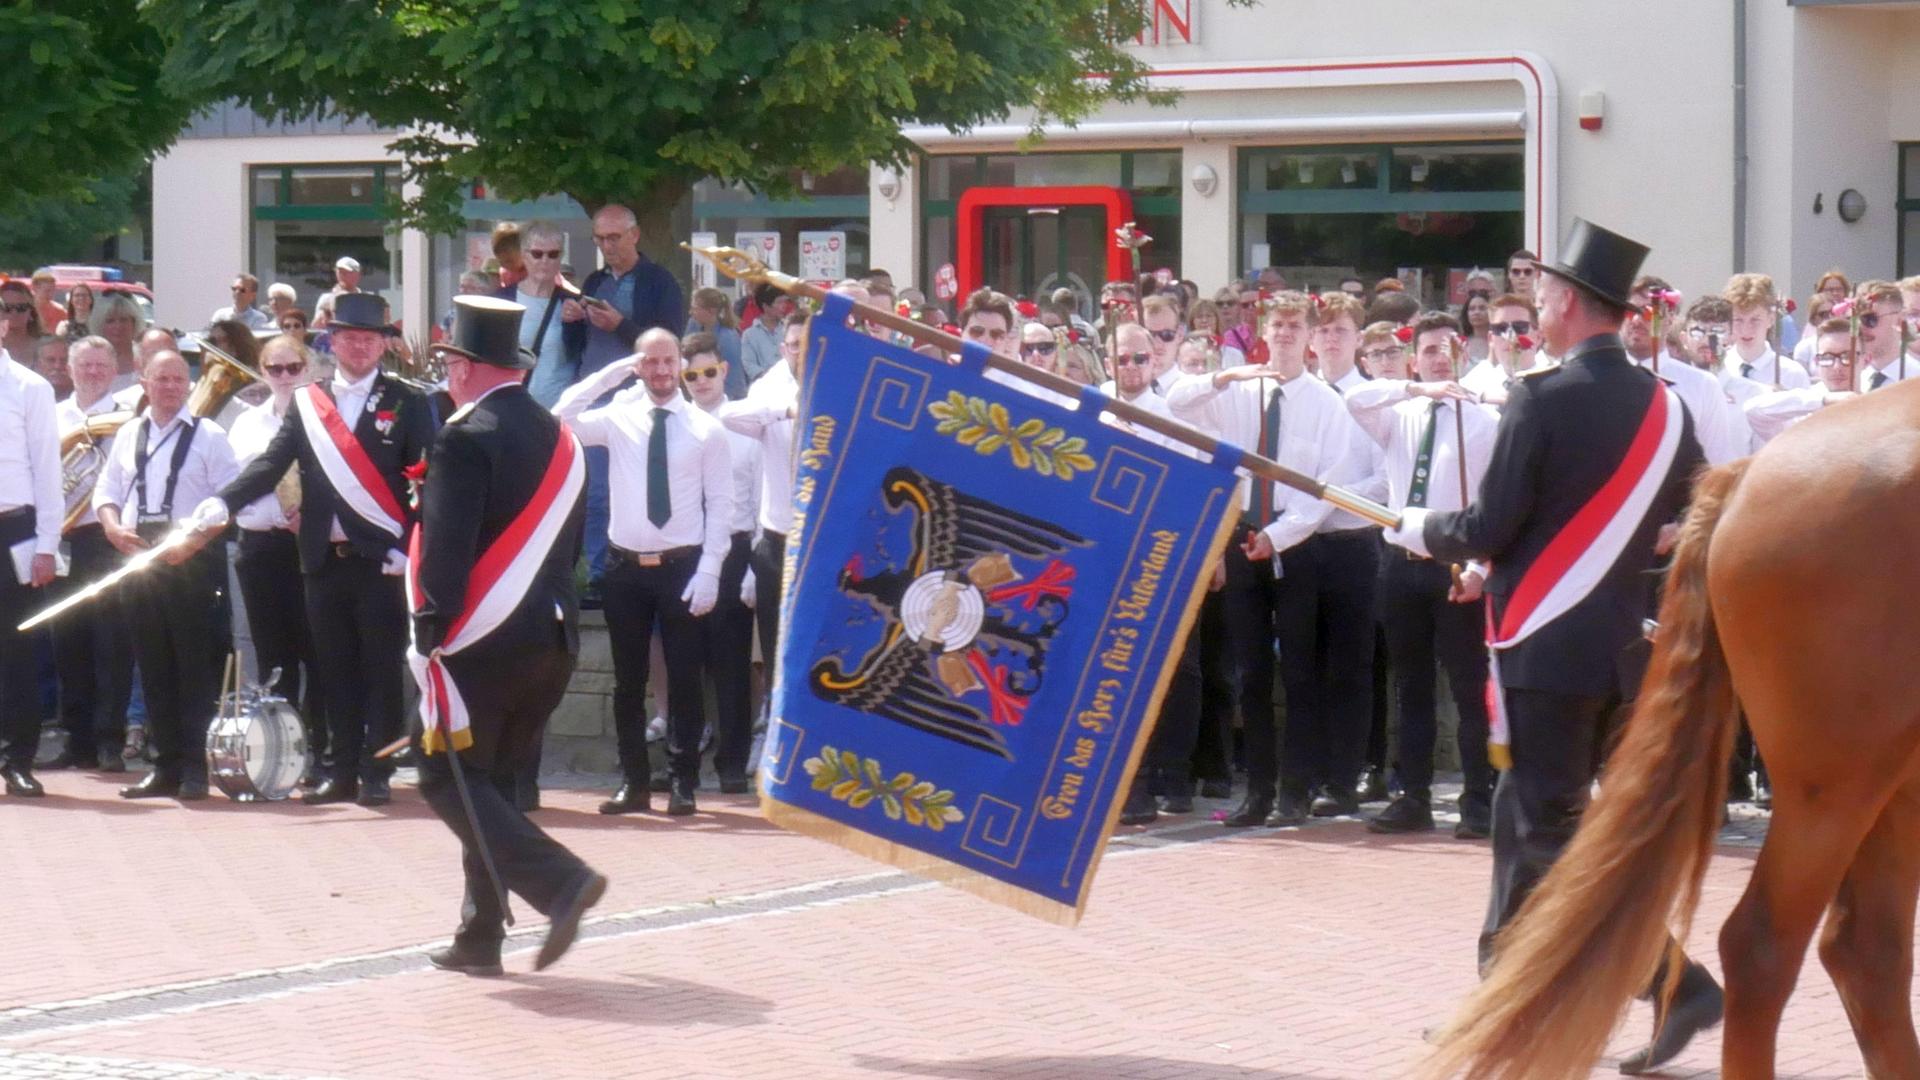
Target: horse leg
{"points": [[1868, 943], [1764, 942]]}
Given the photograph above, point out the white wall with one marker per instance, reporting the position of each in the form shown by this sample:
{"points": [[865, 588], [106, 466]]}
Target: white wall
{"points": [[201, 213], [1845, 60]]}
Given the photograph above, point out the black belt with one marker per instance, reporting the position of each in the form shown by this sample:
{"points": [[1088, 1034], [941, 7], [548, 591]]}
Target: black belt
{"points": [[1344, 534], [344, 549], [655, 558]]}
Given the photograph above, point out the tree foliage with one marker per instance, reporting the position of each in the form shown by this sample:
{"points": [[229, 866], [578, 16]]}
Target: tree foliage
{"points": [[58, 228], [80, 81], [634, 100]]}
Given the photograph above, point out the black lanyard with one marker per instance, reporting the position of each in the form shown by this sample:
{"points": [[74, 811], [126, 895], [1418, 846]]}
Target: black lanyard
{"points": [[141, 457]]}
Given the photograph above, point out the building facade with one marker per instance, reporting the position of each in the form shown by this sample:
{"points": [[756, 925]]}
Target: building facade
{"points": [[1389, 137]]}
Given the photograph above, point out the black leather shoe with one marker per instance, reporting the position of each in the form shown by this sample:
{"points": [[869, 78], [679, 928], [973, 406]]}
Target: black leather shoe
{"points": [[1476, 819], [310, 779], [375, 791], [629, 799], [1139, 808], [735, 785], [332, 791], [67, 759], [21, 784], [478, 960], [659, 782], [1406, 814], [680, 800], [154, 785], [1287, 811], [1252, 811], [1690, 1015], [192, 789], [1176, 804], [1216, 789], [1373, 786], [1333, 803], [566, 919]]}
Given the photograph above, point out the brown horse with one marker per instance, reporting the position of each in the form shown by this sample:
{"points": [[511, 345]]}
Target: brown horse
{"points": [[1794, 595]]}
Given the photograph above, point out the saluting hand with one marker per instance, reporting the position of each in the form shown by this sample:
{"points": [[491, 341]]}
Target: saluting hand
{"points": [[1242, 373], [1440, 391]]}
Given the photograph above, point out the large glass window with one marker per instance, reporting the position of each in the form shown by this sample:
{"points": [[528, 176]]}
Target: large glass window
{"points": [[305, 217], [1424, 213], [1909, 241]]}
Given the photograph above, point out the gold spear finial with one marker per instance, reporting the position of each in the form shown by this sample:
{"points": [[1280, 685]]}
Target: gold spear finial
{"points": [[743, 266]]}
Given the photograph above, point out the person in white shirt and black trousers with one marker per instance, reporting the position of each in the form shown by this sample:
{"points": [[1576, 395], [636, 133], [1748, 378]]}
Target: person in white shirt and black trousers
{"points": [[31, 508], [671, 531], [352, 538], [163, 466], [92, 649], [1428, 612], [1279, 566]]}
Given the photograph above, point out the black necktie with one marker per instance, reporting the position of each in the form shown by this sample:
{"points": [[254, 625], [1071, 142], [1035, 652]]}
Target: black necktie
{"points": [[1878, 380], [1746, 370], [659, 496]]}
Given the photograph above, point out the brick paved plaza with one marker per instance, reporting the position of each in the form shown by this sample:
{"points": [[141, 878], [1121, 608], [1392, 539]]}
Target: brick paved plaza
{"points": [[221, 940]]}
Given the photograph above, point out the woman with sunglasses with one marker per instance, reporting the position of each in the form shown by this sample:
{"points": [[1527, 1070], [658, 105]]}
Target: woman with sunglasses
{"points": [[22, 325], [79, 313], [544, 293], [268, 565]]}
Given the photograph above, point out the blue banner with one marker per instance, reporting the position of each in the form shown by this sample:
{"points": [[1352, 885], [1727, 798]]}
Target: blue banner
{"points": [[986, 594]]}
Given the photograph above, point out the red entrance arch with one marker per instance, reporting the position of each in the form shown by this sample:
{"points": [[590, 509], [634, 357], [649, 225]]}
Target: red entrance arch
{"points": [[1118, 204]]}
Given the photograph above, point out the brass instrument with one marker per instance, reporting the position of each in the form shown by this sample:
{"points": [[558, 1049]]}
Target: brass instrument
{"points": [[83, 453]]}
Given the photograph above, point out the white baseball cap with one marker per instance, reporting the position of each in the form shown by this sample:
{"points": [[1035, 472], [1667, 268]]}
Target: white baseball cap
{"points": [[348, 263]]}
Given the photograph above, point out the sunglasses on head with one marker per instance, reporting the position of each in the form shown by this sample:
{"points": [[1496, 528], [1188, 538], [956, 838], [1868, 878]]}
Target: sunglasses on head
{"points": [[294, 368], [711, 371], [1044, 348], [1135, 358], [1518, 326]]}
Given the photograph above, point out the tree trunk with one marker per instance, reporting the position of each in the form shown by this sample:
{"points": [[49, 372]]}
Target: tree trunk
{"points": [[665, 215]]}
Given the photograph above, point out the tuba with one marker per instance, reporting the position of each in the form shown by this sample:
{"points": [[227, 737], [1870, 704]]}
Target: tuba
{"points": [[82, 451]]}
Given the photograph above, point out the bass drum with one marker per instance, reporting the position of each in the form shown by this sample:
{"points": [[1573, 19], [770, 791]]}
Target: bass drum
{"points": [[256, 749]]}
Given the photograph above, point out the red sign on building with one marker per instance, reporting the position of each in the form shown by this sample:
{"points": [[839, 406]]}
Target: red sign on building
{"points": [[1167, 22]]}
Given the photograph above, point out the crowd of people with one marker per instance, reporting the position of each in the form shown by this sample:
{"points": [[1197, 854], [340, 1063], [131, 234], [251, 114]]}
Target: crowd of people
{"points": [[686, 405]]}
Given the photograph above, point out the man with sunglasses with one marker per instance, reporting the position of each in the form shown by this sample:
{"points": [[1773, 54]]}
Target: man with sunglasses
{"points": [[245, 289], [728, 629], [1165, 330], [1512, 348], [671, 528], [1522, 274], [1880, 343]]}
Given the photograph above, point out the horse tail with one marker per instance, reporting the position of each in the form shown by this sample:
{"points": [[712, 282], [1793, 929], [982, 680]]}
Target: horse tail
{"points": [[1590, 937]]}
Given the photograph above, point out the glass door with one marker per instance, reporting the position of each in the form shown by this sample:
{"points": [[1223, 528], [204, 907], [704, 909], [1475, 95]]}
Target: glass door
{"points": [[1029, 251]]}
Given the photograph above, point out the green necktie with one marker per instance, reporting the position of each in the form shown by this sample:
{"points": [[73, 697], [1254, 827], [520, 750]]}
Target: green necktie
{"points": [[1423, 461], [659, 496], [1260, 514]]}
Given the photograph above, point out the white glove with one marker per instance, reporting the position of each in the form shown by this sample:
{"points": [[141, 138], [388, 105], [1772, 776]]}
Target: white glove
{"points": [[396, 564], [210, 514], [1410, 532], [749, 595], [702, 593]]}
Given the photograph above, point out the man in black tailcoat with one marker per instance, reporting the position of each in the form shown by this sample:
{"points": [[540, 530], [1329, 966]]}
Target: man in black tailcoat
{"points": [[1593, 456], [497, 461]]}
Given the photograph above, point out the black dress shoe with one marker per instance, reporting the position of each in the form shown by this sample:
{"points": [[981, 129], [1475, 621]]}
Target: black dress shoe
{"points": [[659, 782], [1373, 786], [629, 799], [566, 919], [1694, 1010], [1177, 804], [1216, 789], [1139, 808], [67, 759], [1476, 819], [1406, 814], [21, 784], [735, 785], [332, 791], [1252, 811], [680, 800], [374, 791], [310, 779], [467, 959], [192, 789], [1287, 811], [155, 785], [1333, 803]]}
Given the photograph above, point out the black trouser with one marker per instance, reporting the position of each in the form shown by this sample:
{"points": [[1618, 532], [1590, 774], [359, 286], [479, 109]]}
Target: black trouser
{"points": [[19, 681], [1323, 615], [1376, 757], [176, 613], [1213, 743], [728, 660], [510, 691], [274, 591], [632, 597], [1249, 598], [93, 650], [769, 558], [358, 618], [1423, 627]]}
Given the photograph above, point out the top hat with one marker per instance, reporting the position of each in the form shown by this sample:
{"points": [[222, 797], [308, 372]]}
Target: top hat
{"points": [[1600, 261], [486, 330], [359, 311]]}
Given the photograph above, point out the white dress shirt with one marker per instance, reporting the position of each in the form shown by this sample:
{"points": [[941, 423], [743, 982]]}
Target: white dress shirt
{"points": [[68, 416], [251, 433], [208, 468], [30, 454], [1044, 393], [253, 317], [744, 453], [762, 415], [1487, 377], [349, 397], [1891, 371], [699, 466], [1773, 411], [1316, 438], [1366, 464], [1148, 401], [1769, 370], [128, 396], [1719, 434], [1398, 422]]}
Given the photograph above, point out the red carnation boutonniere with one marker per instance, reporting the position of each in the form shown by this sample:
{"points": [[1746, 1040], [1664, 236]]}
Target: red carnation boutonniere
{"points": [[1028, 309], [416, 475], [1404, 335], [1791, 306], [383, 421]]}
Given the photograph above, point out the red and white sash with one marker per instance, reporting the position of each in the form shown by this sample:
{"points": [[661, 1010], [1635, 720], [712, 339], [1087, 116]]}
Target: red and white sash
{"points": [[350, 472], [1586, 548], [498, 583]]}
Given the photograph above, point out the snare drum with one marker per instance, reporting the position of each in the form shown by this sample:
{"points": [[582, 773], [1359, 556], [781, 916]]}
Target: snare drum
{"points": [[256, 748]]}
